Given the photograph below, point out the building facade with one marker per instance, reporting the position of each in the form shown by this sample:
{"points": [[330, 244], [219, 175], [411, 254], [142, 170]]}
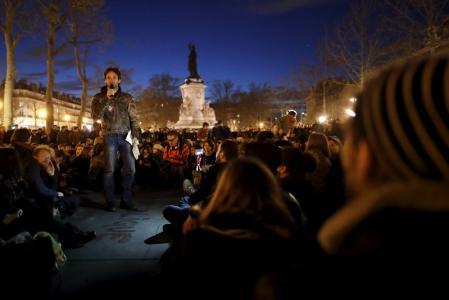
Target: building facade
{"points": [[29, 109]]}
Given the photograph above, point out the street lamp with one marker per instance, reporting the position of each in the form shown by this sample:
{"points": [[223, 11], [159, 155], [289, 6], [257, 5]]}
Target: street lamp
{"points": [[42, 114], [322, 119], [67, 119], [350, 112]]}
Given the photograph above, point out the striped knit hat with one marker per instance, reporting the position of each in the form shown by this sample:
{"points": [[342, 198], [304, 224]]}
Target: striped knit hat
{"points": [[404, 113]]}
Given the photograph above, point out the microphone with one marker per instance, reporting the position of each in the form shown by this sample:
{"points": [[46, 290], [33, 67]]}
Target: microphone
{"points": [[112, 87]]}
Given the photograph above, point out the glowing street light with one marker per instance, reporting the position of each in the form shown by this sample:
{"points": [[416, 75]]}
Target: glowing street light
{"points": [[261, 125], [350, 112], [66, 117], [322, 119], [42, 114], [98, 121], [352, 99]]}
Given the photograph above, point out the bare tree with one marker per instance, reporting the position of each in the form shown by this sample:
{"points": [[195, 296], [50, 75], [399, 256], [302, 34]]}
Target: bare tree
{"points": [[56, 14], [359, 45], [88, 26], [222, 90], [14, 24], [422, 25], [255, 105], [159, 101]]}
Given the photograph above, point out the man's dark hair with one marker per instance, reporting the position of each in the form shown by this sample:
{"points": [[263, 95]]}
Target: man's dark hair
{"points": [[21, 135], [173, 133], [113, 69], [267, 153], [230, 149], [292, 112], [265, 136], [205, 124], [10, 164]]}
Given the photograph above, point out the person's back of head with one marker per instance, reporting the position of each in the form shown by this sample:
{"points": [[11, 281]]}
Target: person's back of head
{"points": [[229, 149], [297, 163], [396, 162], [10, 164], [318, 142], [267, 153], [402, 118], [265, 136], [247, 190], [21, 135]]}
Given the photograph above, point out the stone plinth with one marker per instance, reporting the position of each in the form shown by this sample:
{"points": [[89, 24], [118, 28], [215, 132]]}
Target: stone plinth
{"points": [[194, 110]]}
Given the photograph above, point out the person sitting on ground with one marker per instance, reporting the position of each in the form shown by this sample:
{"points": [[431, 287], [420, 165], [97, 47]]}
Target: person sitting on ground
{"points": [[244, 231], [271, 156], [209, 155], [21, 142], [176, 153], [177, 214], [52, 205]]}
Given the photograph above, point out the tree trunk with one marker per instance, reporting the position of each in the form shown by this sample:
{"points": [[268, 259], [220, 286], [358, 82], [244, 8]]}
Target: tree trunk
{"points": [[82, 75], [50, 76], [10, 66]]}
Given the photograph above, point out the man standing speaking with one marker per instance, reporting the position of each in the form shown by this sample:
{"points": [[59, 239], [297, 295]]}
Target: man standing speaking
{"points": [[117, 112]]}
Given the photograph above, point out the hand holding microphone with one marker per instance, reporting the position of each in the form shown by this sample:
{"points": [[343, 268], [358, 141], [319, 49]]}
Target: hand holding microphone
{"points": [[111, 89]]}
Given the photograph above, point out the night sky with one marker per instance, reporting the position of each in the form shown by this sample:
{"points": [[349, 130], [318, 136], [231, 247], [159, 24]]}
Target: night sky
{"points": [[240, 40]]}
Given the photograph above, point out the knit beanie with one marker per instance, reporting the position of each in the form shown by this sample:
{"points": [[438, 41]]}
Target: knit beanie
{"points": [[404, 113]]}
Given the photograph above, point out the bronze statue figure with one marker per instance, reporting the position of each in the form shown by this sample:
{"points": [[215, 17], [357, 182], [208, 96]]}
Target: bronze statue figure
{"points": [[192, 62]]}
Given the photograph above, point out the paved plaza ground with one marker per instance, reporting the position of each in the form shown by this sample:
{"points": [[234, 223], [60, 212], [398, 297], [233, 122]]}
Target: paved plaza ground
{"points": [[117, 259]]}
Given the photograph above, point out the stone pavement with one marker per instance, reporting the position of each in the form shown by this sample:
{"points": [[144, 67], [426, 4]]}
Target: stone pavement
{"points": [[117, 259]]}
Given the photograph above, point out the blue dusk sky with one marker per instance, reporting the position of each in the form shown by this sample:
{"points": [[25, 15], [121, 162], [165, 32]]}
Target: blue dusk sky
{"points": [[240, 40]]}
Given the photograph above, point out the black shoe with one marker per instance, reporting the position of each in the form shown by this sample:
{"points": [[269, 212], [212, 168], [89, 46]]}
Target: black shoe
{"points": [[77, 239], [85, 237], [111, 208], [172, 231], [129, 207], [160, 238]]}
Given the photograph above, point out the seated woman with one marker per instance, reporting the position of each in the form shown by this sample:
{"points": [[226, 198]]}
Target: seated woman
{"points": [[245, 230], [208, 157]]}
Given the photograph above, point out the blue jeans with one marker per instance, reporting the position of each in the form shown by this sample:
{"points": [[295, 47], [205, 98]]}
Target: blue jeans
{"points": [[114, 142]]}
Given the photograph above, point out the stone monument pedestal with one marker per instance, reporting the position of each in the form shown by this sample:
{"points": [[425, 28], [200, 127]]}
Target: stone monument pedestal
{"points": [[194, 110]]}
